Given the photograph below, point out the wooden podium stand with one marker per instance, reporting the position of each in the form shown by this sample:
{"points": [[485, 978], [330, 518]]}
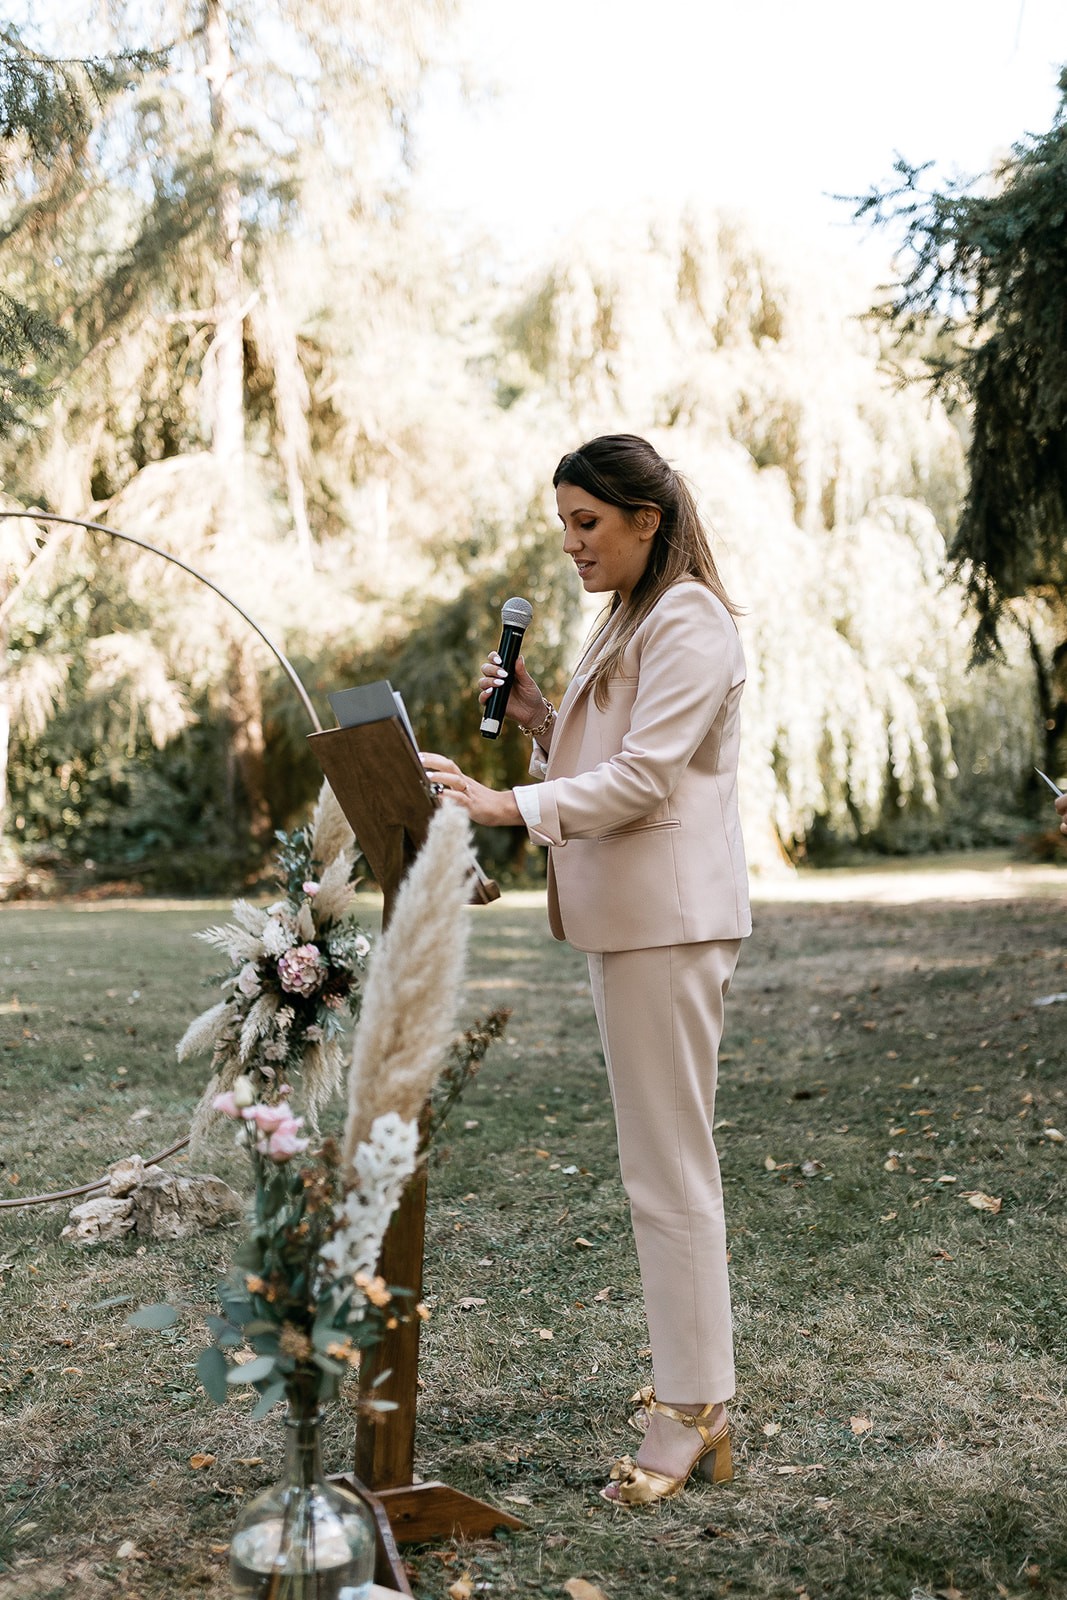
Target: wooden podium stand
{"points": [[382, 789]]}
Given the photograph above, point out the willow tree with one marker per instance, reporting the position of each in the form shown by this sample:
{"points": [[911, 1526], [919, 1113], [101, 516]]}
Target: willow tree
{"points": [[187, 305], [984, 288]]}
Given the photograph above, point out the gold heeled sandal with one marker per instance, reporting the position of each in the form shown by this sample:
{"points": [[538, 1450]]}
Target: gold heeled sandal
{"points": [[641, 1486]]}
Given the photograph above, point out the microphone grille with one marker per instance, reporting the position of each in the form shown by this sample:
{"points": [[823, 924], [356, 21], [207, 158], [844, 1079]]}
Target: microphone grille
{"points": [[516, 612]]}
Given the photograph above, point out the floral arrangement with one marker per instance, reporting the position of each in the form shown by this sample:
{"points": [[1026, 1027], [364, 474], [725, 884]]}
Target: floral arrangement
{"points": [[303, 1299], [295, 974]]}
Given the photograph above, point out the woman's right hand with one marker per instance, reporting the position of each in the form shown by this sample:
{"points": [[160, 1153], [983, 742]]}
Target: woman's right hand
{"points": [[526, 703]]}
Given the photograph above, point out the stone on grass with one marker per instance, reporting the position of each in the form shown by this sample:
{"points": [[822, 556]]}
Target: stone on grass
{"points": [[99, 1220], [171, 1207], [153, 1204]]}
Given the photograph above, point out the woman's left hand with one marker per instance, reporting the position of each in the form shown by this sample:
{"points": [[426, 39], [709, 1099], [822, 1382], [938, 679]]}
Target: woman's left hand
{"points": [[492, 807]]}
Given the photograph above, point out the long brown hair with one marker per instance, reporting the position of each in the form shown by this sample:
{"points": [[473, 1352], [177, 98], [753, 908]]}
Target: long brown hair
{"points": [[625, 471]]}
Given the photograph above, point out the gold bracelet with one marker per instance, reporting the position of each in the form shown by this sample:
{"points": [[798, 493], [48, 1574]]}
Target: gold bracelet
{"points": [[542, 727]]}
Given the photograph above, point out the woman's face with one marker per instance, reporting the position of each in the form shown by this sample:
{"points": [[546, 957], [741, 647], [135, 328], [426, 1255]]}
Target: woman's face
{"points": [[609, 548]]}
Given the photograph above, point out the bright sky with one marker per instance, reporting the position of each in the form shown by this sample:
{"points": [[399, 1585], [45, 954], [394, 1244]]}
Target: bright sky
{"points": [[769, 105]]}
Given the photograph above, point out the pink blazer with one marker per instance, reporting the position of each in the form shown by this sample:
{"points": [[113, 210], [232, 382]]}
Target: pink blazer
{"points": [[639, 802]]}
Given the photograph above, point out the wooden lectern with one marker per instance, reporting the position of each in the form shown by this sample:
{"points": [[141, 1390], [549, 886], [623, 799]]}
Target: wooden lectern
{"points": [[374, 771]]}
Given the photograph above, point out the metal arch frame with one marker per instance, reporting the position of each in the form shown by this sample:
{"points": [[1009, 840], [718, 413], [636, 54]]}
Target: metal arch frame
{"points": [[291, 674], [129, 538]]}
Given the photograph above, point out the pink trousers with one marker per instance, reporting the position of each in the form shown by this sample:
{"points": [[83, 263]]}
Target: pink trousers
{"points": [[660, 1014]]}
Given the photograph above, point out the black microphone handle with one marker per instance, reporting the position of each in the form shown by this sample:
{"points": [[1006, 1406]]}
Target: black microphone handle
{"points": [[497, 703]]}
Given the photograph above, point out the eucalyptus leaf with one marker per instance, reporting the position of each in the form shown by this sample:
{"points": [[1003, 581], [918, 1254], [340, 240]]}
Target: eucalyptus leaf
{"points": [[238, 1310], [226, 1335], [154, 1317], [328, 1364], [252, 1371], [267, 1401], [213, 1371]]}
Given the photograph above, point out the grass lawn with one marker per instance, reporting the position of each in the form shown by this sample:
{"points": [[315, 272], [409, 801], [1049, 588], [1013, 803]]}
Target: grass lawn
{"points": [[900, 1426]]}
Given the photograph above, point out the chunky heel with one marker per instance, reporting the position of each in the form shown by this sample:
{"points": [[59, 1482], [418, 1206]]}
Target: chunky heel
{"points": [[632, 1485], [717, 1466]]}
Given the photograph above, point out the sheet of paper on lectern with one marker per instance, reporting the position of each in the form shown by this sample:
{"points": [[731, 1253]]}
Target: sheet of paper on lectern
{"points": [[371, 702]]}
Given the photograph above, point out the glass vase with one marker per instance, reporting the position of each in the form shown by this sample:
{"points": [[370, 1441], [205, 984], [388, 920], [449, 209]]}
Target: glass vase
{"points": [[305, 1539]]}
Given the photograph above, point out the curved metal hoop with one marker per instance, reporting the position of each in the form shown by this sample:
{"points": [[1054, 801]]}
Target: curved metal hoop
{"points": [[291, 674], [129, 538]]}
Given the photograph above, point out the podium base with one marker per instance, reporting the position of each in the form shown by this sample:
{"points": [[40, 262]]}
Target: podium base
{"points": [[422, 1513]]}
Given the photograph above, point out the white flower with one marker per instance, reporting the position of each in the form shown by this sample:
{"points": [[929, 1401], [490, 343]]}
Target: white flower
{"points": [[381, 1166], [248, 980], [361, 945]]}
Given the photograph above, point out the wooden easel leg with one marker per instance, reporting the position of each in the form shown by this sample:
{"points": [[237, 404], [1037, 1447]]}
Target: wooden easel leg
{"points": [[388, 1568], [385, 1445]]}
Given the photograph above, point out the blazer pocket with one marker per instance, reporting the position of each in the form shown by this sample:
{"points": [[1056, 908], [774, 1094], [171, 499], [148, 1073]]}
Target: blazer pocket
{"points": [[630, 829]]}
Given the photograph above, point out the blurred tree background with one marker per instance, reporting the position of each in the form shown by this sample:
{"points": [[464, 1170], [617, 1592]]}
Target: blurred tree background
{"points": [[269, 363]]}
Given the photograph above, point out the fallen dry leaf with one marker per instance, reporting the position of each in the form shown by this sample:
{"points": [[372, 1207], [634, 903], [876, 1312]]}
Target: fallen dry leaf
{"points": [[545, 1333], [983, 1202], [470, 1302], [462, 1589], [603, 1294], [579, 1589], [861, 1424], [1054, 1135], [249, 1461], [199, 1461], [128, 1551], [770, 1164], [518, 1500], [584, 1244], [792, 1472], [771, 1428]]}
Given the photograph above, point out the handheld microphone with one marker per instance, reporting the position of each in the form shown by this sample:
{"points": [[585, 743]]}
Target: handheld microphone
{"points": [[515, 615]]}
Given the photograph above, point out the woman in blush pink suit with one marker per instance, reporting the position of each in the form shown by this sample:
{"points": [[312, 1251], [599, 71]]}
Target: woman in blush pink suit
{"points": [[636, 800]]}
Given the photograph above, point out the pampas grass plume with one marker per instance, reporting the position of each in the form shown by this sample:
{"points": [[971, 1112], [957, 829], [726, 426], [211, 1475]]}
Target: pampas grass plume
{"points": [[199, 1037], [413, 984], [336, 893], [331, 831]]}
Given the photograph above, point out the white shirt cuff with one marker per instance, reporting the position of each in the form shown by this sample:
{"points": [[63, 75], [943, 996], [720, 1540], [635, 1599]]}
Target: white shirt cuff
{"points": [[529, 803]]}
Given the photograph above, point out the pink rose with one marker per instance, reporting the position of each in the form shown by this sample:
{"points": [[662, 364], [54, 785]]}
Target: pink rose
{"points": [[267, 1118], [311, 888], [301, 970], [284, 1141], [226, 1104]]}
